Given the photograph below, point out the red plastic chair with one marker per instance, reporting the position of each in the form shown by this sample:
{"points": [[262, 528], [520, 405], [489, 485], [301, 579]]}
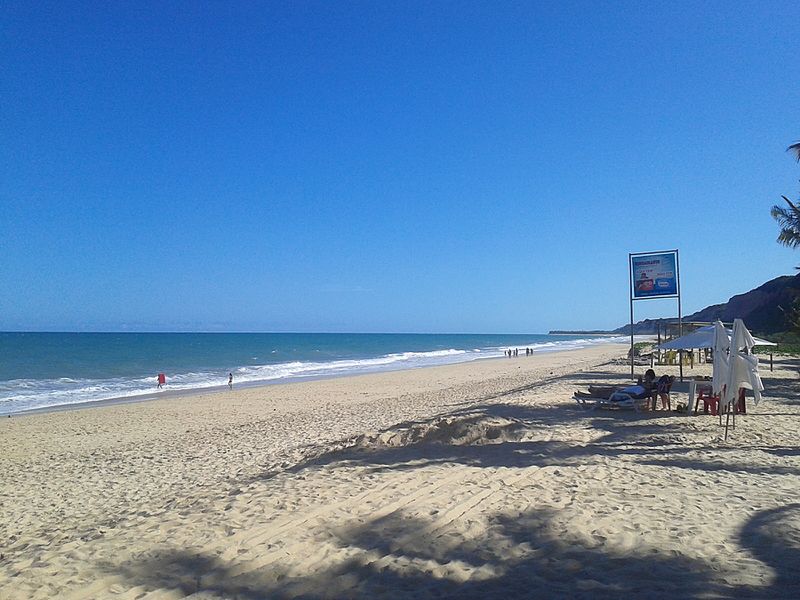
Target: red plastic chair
{"points": [[710, 400]]}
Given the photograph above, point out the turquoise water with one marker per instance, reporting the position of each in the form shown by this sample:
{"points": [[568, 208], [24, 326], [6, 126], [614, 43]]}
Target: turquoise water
{"points": [[49, 369]]}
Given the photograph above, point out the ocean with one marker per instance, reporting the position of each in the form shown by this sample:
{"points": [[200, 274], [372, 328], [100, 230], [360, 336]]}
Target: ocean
{"points": [[40, 370]]}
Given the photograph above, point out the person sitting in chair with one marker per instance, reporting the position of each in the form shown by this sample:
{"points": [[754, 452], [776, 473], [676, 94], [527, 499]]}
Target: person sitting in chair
{"points": [[649, 384], [663, 388]]}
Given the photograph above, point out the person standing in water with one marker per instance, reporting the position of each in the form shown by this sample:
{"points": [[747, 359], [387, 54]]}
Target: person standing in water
{"points": [[230, 380]]}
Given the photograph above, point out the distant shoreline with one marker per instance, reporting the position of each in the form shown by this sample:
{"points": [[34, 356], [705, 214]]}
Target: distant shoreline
{"points": [[172, 394], [77, 369], [597, 332]]}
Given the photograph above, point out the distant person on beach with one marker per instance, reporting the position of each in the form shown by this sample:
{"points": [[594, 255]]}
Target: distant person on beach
{"points": [[230, 380], [162, 379]]}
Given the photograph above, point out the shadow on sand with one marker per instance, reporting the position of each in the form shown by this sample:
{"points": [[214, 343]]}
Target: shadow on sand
{"points": [[395, 558], [773, 536]]}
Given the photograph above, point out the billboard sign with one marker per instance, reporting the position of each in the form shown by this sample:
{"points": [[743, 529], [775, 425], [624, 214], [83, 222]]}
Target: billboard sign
{"points": [[654, 275]]}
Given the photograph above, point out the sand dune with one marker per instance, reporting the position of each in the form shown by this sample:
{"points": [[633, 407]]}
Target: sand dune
{"points": [[472, 481]]}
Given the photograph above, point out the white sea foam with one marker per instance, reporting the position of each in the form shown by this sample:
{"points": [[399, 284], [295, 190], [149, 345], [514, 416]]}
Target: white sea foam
{"points": [[26, 394]]}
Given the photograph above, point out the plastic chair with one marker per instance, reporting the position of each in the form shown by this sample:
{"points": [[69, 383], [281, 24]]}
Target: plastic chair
{"points": [[710, 400]]}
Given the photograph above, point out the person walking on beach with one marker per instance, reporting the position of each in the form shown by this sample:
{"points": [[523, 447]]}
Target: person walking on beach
{"points": [[230, 380], [162, 379]]}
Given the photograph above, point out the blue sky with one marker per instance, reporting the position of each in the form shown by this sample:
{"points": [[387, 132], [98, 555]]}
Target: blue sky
{"points": [[377, 166]]}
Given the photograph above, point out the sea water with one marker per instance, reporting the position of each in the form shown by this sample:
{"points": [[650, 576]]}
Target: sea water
{"points": [[39, 370]]}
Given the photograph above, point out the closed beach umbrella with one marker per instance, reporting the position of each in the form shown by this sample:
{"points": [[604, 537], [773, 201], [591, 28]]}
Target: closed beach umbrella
{"points": [[719, 376], [742, 370], [743, 367]]}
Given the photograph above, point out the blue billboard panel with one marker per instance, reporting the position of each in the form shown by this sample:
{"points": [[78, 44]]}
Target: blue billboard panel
{"points": [[654, 275]]}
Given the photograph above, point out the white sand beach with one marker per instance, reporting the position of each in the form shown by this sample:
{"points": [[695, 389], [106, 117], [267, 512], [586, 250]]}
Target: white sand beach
{"points": [[479, 480]]}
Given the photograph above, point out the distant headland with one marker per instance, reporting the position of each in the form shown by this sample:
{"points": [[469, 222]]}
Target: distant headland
{"points": [[766, 310]]}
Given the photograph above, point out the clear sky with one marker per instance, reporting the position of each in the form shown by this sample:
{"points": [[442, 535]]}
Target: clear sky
{"points": [[387, 166]]}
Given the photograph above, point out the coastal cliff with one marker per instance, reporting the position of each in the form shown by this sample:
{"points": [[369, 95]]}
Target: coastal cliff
{"points": [[763, 310]]}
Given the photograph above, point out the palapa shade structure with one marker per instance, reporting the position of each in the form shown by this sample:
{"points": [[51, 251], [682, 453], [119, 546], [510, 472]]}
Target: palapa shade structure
{"points": [[704, 338]]}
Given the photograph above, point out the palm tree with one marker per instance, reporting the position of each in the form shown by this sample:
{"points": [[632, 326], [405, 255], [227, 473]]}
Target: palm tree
{"points": [[789, 218]]}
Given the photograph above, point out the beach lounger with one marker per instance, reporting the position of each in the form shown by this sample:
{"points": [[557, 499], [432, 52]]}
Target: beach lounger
{"points": [[624, 399], [632, 397], [585, 400], [604, 391]]}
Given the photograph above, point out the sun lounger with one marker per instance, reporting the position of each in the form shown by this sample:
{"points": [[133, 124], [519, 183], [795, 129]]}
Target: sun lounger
{"points": [[604, 391], [628, 399], [585, 400], [631, 397]]}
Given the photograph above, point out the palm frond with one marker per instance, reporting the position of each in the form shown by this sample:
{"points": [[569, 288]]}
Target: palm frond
{"points": [[780, 214], [789, 238], [795, 149], [789, 221]]}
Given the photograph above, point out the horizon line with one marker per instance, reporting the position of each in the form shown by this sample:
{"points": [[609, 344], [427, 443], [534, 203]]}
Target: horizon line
{"points": [[290, 332]]}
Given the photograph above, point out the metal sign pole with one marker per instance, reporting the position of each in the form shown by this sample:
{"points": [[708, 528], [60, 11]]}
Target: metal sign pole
{"points": [[630, 296], [680, 319], [658, 329]]}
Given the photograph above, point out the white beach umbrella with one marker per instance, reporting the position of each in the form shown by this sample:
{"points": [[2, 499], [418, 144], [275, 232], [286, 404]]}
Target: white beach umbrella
{"points": [[743, 367], [719, 376]]}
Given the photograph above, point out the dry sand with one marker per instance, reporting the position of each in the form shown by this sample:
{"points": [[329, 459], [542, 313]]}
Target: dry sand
{"points": [[481, 480]]}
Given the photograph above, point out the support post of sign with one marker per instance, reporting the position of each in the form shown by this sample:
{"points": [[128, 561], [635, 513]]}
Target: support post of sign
{"points": [[630, 296], [658, 330], [680, 319]]}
